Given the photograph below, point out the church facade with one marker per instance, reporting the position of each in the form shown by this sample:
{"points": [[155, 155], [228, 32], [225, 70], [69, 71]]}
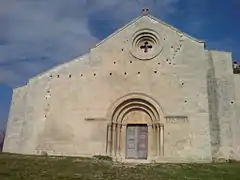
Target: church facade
{"points": [[148, 92]]}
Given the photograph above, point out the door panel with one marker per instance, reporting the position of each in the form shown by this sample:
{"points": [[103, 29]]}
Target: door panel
{"points": [[142, 142], [131, 142], [137, 142]]}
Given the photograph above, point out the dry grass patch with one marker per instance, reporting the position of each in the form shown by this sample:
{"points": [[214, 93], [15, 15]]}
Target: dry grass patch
{"points": [[16, 167]]}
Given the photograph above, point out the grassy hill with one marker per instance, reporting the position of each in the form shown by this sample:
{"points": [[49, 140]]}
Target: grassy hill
{"points": [[16, 167]]}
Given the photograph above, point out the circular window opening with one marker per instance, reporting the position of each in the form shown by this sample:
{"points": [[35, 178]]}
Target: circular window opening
{"points": [[145, 44]]}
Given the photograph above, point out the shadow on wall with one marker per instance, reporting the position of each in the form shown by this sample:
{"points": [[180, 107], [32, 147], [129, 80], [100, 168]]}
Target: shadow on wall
{"points": [[2, 135]]}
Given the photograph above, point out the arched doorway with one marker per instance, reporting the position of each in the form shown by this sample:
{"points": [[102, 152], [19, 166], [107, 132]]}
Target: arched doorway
{"points": [[136, 134], [136, 128]]}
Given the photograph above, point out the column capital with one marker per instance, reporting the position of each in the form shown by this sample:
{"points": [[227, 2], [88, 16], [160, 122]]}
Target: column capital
{"points": [[161, 125], [115, 123]]}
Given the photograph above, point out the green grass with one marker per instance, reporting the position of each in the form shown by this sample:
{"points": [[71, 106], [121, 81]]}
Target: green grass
{"points": [[16, 167]]}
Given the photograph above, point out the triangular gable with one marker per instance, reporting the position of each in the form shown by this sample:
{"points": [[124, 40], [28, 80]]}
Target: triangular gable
{"points": [[109, 37], [153, 18]]}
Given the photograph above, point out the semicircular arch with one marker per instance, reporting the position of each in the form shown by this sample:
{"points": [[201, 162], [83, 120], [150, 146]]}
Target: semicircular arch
{"points": [[135, 108], [133, 101]]}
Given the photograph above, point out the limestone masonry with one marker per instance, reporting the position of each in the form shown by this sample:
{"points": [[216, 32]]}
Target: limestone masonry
{"points": [[148, 92]]}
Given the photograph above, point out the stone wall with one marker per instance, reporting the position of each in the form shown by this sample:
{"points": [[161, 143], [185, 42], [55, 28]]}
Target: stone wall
{"points": [[15, 123], [178, 89], [178, 135], [222, 96], [214, 125], [67, 107], [237, 124]]}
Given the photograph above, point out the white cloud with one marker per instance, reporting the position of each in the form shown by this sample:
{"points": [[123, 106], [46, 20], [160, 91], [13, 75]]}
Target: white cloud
{"points": [[55, 31], [35, 29]]}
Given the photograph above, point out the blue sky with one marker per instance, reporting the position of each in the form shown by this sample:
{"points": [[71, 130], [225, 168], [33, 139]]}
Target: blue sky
{"points": [[37, 35]]}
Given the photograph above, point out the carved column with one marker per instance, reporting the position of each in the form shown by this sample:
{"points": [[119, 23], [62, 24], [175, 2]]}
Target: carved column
{"points": [[123, 142], [158, 139], [151, 149], [155, 139], [109, 139], [115, 139], [162, 139], [112, 138], [107, 142], [119, 139]]}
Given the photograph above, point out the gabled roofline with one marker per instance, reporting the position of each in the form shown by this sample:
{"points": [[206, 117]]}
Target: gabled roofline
{"points": [[175, 29], [117, 31], [108, 37], [56, 68], [154, 18]]}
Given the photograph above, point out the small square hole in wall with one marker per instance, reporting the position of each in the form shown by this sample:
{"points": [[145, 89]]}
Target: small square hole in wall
{"points": [[155, 72], [58, 76], [110, 74], [94, 74], [69, 75], [130, 61], [114, 62], [159, 63], [50, 76], [81, 75], [125, 73], [232, 102], [139, 73]]}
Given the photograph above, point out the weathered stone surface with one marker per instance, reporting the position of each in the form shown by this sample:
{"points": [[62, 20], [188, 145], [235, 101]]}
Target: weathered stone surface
{"points": [[186, 95]]}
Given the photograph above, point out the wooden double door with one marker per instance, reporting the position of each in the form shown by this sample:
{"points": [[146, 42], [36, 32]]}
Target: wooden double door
{"points": [[137, 141]]}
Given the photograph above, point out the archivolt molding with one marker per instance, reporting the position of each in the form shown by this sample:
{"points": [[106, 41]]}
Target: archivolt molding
{"points": [[135, 101], [135, 108]]}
